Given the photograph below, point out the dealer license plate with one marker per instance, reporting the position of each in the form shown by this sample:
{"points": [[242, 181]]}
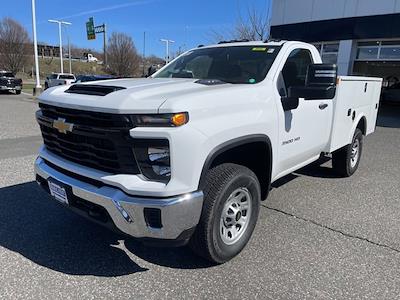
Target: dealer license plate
{"points": [[58, 192]]}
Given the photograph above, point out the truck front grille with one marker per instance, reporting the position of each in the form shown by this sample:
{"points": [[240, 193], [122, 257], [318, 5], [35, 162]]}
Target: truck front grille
{"points": [[97, 140]]}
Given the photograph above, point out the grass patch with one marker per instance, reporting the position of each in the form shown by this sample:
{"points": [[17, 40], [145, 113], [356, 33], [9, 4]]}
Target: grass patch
{"points": [[28, 88]]}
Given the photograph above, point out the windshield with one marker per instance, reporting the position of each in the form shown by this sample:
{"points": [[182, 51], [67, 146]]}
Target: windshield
{"points": [[236, 64]]}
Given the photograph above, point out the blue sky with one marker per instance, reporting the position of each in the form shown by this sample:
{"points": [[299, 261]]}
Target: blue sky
{"points": [[188, 22]]}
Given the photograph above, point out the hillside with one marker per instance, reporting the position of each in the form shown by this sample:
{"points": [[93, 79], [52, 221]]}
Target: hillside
{"points": [[52, 65]]}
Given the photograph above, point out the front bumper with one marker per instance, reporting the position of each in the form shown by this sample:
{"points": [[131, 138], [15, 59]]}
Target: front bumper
{"points": [[178, 215]]}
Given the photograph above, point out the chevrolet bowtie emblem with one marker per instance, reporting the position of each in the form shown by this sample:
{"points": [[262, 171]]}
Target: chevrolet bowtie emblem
{"points": [[62, 126]]}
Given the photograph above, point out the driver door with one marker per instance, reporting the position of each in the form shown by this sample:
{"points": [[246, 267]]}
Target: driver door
{"points": [[303, 131]]}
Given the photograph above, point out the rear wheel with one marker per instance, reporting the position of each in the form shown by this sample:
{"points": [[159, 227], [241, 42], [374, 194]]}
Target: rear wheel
{"points": [[345, 161], [230, 212], [18, 92]]}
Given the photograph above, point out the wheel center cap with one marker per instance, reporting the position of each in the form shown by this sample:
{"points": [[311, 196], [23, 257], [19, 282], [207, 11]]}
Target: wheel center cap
{"points": [[238, 216]]}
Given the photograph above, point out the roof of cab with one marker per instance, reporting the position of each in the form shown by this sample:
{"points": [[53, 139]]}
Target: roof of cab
{"points": [[246, 43]]}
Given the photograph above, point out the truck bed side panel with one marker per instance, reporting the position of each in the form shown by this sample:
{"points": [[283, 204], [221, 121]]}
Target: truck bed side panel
{"points": [[356, 97]]}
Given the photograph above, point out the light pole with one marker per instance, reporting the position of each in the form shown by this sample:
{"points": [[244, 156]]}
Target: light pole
{"points": [[38, 87], [60, 37], [167, 42], [69, 56]]}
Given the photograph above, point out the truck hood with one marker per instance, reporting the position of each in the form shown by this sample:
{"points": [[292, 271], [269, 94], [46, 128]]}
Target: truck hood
{"points": [[138, 96]]}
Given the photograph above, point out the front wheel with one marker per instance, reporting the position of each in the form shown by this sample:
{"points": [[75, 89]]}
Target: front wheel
{"points": [[18, 92], [345, 161], [230, 212]]}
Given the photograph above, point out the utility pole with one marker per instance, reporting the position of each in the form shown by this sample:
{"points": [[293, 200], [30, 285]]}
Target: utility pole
{"points": [[144, 53], [105, 45], [91, 33], [69, 56], [186, 35], [167, 42], [37, 89], [60, 37]]}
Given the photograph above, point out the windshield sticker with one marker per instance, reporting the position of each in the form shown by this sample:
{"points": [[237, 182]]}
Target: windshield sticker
{"points": [[259, 49], [270, 51], [252, 80]]}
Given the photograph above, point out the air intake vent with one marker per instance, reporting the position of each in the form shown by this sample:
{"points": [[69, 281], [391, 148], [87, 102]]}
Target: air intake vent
{"points": [[91, 89]]}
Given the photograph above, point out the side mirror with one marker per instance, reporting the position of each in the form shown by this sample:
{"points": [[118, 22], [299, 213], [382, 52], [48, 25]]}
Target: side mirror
{"points": [[320, 83], [289, 103], [151, 71], [321, 75]]}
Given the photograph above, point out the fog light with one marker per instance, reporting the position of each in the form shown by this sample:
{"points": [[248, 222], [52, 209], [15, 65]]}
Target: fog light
{"points": [[159, 158], [153, 157]]}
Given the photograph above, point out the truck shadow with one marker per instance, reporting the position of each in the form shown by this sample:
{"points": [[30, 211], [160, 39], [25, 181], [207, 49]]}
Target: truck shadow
{"points": [[176, 258], [36, 227], [316, 169]]}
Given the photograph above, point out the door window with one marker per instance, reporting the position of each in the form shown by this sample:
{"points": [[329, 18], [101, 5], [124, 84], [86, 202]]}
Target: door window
{"points": [[294, 71]]}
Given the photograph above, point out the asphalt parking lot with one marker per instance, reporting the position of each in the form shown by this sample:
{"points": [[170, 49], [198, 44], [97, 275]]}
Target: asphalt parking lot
{"points": [[318, 236]]}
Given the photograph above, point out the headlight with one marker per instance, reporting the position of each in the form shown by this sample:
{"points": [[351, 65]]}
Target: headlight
{"points": [[153, 157], [160, 120]]}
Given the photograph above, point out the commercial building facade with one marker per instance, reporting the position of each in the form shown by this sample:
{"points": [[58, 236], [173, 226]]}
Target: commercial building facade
{"points": [[48, 50], [361, 36]]}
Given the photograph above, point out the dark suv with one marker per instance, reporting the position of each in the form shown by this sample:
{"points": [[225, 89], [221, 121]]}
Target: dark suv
{"points": [[8, 82]]}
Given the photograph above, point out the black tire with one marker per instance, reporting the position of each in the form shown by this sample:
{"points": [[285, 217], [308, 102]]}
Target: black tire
{"points": [[218, 186], [18, 92], [342, 160], [46, 86]]}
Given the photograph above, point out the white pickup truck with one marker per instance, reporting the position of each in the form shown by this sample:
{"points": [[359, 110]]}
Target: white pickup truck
{"points": [[187, 155], [56, 79]]}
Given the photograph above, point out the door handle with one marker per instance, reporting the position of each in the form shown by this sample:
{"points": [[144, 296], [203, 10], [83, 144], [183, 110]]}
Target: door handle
{"points": [[323, 106]]}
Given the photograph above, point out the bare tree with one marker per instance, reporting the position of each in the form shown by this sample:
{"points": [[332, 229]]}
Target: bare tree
{"points": [[253, 26], [123, 59], [14, 45]]}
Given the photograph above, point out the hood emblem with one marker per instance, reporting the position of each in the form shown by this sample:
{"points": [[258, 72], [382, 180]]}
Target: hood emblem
{"points": [[62, 126]]}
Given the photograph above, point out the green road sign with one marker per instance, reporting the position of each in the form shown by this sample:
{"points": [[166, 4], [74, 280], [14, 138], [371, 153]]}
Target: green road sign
{"points": [[100, 29], [91, 34]]}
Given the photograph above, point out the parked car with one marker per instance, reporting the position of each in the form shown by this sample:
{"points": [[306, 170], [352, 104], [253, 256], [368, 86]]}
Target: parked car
{"points": [[8, 82], [391, 94], [58, 79], [187, 155], [87, 78]]}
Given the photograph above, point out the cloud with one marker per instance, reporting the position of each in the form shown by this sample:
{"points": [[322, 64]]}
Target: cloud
{"points": [[107, 8]]}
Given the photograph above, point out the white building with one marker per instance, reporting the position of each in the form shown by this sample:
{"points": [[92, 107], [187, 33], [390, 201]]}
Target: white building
{"points": [[361, 36]]}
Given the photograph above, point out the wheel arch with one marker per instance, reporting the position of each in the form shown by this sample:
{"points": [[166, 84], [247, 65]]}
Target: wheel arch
{"points": [[362, 125], [229, 150]]}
